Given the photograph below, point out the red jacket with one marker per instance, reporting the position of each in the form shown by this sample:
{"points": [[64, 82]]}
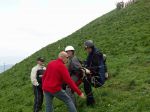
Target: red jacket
{"points": [[55, 75]]}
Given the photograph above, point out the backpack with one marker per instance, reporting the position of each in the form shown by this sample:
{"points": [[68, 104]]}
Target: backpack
{"points": [[98, 77]]}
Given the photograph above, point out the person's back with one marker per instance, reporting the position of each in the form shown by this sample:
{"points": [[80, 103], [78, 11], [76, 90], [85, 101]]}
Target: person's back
{"points": [[53, 79], [74, 64], [95, 62]]}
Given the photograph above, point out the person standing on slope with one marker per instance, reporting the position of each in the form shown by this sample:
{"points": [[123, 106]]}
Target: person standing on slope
{"points": [[36, 79], [55, 75], [96, 64], [74, 67]]}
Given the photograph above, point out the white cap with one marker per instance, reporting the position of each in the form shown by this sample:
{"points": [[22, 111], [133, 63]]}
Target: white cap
{"points": [[69, 48]]}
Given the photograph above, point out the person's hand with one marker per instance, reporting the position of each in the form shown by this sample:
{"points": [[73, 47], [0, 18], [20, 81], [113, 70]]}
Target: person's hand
{"points": [[40, 76], [35, 83], [87, 71], [82, 96]]}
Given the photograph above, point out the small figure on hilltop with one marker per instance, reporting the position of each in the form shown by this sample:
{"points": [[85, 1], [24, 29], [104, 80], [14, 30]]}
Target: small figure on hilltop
{"points": [[130, 2], [120, 5]]}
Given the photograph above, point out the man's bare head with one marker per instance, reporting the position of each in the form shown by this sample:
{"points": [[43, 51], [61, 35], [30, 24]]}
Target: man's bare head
{"points": [[64, 56]]}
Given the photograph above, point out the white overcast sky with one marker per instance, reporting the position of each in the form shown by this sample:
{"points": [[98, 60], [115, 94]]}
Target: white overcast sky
{"points": [[28, 25]]}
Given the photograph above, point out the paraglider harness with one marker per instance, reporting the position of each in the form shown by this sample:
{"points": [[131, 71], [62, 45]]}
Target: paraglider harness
{"points": [[98, 74], [95, 76], [94, 79], [82, 75]]}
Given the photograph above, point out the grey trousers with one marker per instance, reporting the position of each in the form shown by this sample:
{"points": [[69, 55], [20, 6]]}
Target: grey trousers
{"points": [[70, 92]]}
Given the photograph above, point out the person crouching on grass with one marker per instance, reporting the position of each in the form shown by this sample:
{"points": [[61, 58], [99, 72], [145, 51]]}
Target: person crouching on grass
{"points": [[55, 75]]}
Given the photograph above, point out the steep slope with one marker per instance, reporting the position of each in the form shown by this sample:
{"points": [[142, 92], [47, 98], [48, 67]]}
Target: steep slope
{"points": [[124, 35]]}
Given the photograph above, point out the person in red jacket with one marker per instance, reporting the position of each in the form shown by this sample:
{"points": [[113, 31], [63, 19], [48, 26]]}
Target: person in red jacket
{"points": [[55, 75]]}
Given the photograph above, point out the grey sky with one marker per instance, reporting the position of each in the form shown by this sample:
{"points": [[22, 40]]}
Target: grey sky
{"points": [[28, 25]]}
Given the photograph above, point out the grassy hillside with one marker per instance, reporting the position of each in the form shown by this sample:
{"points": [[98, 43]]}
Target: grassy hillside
{"points": [[124, 35]]}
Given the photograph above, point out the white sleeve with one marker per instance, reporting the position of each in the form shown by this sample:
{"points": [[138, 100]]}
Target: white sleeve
{"points": [[33, 77]]}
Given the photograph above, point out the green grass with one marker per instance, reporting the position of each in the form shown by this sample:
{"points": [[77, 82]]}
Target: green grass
{"points": [[124, 35]]}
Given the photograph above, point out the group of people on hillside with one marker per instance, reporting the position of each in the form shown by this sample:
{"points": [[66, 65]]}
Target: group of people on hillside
{"points": [[62, 77]]}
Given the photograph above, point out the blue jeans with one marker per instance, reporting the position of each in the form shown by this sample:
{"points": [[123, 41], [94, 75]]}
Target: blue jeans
{"points": [[61, 95]]}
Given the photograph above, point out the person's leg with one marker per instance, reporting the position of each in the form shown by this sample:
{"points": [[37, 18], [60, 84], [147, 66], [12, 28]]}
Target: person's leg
{"points": [[40, 98], [34, 90], [71, 95], [62, 95], [36, 100], [70, 92], [49, 101], [88, 91]]}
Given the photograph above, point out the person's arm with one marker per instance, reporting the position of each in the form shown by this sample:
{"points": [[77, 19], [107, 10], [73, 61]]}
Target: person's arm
{"points": [[44, 74], [33, 77], [67, 79]]}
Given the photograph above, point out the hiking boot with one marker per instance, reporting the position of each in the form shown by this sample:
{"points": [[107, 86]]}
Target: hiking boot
{"points": [[90, 101]]}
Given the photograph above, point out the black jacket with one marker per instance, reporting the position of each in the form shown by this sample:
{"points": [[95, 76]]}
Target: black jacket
{"points": [[95, 63]]}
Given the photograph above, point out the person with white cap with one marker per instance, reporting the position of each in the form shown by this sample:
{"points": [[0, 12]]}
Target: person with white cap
{"points": [[74, 63], [74, 67]]}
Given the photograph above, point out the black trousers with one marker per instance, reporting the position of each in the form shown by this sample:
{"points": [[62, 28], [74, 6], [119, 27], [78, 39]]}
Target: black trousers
{"points": [[88, 90], [38, 99]]}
